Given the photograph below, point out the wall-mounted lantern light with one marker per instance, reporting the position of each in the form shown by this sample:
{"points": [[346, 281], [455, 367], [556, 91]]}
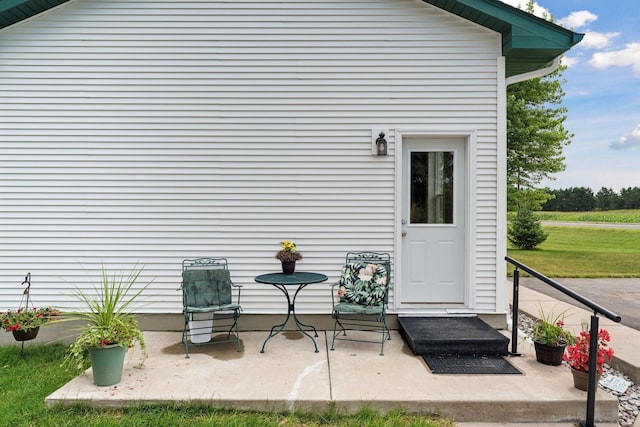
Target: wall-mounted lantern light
{"points": [[381, 145]]}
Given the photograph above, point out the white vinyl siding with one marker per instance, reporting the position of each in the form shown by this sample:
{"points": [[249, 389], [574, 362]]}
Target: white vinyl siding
{"points": [[152, 131]]}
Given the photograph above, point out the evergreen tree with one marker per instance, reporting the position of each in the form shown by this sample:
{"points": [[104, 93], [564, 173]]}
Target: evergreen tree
{"points": [[525, 231], [630, 198]]}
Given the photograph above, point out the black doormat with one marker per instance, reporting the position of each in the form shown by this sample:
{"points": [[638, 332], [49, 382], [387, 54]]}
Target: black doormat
{"points": [[468, 364]]}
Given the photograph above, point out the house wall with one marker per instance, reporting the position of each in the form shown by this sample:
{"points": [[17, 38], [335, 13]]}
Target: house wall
{"points": [[151, 131]]}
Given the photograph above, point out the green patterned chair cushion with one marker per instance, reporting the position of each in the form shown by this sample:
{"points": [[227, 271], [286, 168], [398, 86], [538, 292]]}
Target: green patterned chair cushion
{"points": [[363, 283], [347, 307], [207, 290]]}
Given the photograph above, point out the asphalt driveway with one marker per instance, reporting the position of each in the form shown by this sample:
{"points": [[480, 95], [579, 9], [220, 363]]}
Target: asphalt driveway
{"points": [[622, 296]]}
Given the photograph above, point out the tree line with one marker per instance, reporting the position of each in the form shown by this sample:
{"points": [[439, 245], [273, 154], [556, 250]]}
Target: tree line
{"points": [[581, 199]]}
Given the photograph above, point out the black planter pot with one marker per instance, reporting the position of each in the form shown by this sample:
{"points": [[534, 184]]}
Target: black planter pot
{"points": [[288, 267], [549, 354], [20, 335]]}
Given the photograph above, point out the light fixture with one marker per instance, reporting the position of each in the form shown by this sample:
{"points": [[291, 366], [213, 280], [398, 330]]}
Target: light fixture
{"points": [[381, 145]]}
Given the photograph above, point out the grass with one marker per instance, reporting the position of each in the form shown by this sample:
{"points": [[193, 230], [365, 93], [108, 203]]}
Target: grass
{"points": [[619, 216], [584, 252], [26, 380]]}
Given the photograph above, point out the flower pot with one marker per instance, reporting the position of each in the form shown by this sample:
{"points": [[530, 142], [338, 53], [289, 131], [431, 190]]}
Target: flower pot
{"points": [[581, 379], [107, 363], [200, 329], [288, 267], [20, 335], [549, 354]]}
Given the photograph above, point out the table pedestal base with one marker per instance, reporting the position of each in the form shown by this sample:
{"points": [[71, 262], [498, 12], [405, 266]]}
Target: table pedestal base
{"points": [[291, 310]]}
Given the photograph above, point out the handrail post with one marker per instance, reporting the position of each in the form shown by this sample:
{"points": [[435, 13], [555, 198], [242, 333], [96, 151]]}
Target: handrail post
{"points": [[514, 316], [593, 373]]}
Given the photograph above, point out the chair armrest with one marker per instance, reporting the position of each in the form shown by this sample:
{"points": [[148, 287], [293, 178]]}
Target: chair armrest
{"points": [[239, 287], [334, 295]]}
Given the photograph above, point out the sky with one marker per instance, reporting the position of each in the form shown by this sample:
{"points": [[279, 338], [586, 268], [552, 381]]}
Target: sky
{"points": [[602, 92]]}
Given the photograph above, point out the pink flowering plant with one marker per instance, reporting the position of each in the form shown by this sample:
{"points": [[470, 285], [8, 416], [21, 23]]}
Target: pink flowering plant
{"points": [[577, 355], [26, 319]]}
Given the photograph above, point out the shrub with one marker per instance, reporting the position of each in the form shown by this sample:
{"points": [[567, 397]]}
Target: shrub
{"points": [[525, 231]]}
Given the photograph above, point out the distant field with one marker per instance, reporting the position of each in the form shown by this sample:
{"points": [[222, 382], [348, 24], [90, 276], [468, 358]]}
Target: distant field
{"points": [[622, 216], [584, 252]]}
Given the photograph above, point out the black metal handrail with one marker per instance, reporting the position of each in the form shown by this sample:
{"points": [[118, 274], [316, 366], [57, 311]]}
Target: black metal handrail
{"points": [[593, 331]]}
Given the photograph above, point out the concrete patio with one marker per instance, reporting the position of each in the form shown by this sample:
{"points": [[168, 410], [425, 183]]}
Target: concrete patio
{"points": [[291, 376]]}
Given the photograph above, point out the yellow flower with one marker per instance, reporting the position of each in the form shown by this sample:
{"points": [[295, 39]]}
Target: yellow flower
{"points": [[288, 251], [288, 246]]}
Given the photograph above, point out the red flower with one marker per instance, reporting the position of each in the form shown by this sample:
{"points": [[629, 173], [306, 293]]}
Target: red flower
{"points": [[577, 355], [13, 327], [104, 342]]}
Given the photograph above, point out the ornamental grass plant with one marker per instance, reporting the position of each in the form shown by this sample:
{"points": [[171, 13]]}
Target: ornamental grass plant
{"points": [[107, 317]]}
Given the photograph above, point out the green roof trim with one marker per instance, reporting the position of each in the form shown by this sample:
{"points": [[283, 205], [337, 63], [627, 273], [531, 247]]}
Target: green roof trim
{"points": [[528, 42], [13, 11]]}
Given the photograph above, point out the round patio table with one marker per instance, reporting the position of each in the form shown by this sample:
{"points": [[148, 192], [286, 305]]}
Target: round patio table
{"points": [[281, 281]]}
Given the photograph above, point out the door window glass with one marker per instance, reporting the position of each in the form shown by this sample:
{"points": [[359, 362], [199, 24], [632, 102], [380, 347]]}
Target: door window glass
{"points": [[432, 187]]}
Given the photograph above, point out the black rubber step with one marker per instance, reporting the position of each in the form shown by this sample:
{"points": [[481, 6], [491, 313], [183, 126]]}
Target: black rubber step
{"points": [[452, 335]]}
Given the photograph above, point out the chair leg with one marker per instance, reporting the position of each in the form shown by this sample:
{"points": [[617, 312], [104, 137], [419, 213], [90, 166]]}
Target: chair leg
{"points": [[185, 339], [336, 332], [385, 331], [235, 325], [333, 341]]}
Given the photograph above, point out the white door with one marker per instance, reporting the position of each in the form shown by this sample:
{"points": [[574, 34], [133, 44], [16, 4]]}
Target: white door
{"points": [[433, 220]]}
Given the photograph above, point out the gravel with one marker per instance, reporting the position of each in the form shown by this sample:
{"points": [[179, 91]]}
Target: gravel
{"points": [[628, 402]]}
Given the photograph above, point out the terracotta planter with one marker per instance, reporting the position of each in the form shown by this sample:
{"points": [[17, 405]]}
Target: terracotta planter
{"points": [[549, 354], [288, 267], [581, 379], [20, 335]]}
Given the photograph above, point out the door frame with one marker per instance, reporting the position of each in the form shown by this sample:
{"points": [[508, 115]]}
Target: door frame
{"points": [[469, 211]]}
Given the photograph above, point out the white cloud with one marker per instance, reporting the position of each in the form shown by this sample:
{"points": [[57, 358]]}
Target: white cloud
{"points": [[578, 19], [628, 141], [595, 40], [627, 57], [569, 61]]}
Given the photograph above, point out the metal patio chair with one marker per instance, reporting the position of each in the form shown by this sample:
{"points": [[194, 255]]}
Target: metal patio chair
{"points": [[363, 294], [207, 294]]}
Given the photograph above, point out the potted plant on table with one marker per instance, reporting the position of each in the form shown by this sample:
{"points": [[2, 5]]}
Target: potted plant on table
{"points": [[110, 328], [577, 356], [550, 339], [288, 255]]}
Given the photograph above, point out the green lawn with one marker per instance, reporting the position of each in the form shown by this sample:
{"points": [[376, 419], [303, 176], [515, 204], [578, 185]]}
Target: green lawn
{"points": [[26, 380], [584, 252]]}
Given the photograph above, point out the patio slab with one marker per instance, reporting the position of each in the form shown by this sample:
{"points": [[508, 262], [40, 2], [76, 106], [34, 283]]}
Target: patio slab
{"points": [[291, 376]]}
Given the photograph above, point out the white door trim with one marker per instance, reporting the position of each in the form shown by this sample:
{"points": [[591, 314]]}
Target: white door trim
{"points": [[469, 304]]}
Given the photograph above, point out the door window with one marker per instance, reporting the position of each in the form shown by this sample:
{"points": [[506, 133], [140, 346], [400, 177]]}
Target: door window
{"points": [[431, 187]]}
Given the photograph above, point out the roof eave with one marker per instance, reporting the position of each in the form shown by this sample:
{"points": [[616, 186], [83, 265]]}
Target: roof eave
{"points": [[14, 11], [528, 42]]}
